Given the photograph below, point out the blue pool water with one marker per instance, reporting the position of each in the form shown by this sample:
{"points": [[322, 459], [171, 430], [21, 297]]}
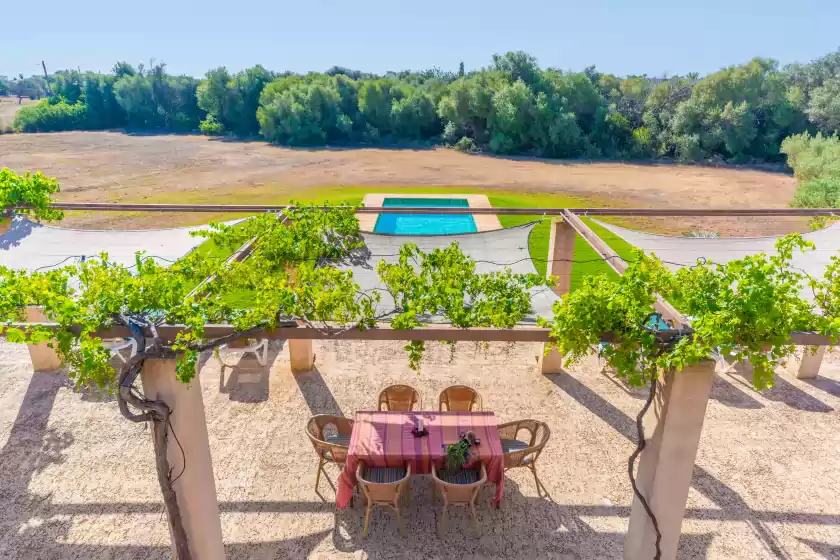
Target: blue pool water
{"points": [[425, 224]]}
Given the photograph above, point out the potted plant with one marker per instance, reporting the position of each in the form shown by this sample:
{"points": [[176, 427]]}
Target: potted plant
{"points": [[458, 454], [33, 190]]}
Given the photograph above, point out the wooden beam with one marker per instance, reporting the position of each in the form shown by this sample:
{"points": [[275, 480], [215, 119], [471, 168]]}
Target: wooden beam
{"points": [[668, 311], [258, 208], [385, 332], [240, 255]]}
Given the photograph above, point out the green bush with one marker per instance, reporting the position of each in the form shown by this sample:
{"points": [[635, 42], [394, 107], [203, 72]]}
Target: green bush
{"points": [[466, 145], [48, 117], [818, 193], [813, 157], [211, 127], [815, 161]]}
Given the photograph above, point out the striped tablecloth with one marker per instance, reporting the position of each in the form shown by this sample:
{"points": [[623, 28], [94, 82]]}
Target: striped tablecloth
{"points": [[384, 439]]}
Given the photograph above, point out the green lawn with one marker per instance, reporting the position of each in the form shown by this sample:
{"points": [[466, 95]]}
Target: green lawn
{"points": [[587, 261]]}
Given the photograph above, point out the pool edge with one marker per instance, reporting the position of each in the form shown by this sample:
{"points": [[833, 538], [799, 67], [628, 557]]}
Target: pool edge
{"points": [[483, 222]]}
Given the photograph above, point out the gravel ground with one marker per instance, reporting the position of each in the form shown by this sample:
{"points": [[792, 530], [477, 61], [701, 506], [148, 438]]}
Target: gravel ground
{"points": [[77, 481]]}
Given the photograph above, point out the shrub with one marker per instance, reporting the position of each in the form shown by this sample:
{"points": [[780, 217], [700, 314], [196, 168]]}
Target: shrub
{"points": [[466, 145], [818, 193], [51, 117], [813, 157], [211, 127]]}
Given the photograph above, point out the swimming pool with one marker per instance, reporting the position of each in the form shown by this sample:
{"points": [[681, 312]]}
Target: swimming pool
{"points": [[425, 224]]}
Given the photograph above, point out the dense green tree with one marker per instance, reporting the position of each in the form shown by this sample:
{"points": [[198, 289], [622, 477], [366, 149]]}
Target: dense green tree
{"points": [[376, 98], [158, 101], [232, 100], [301, 111], [519, 66], [824, 106], [414, 116], [740, 114]]}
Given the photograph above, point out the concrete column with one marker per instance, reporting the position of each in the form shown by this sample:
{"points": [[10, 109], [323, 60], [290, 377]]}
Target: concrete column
{"points": [[196, 488], [301, 357], [551, 362], [805, 364], [667, 462], [43, 357], [561, 251]]}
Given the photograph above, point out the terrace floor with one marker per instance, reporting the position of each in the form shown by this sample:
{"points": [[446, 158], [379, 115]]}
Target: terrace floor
{"points": [[77, 480]]}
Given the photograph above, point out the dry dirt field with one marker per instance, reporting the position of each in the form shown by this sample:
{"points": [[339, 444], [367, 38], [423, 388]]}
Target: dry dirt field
{"points": [[8, 107], [112, 166], [77, 481]]}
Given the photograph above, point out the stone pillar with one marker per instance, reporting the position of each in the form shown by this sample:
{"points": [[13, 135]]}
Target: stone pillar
{"points": [[301, 358], [667, 462], [561, 251], [196, 488], [807, 364], [43, 357], [551, 362]]}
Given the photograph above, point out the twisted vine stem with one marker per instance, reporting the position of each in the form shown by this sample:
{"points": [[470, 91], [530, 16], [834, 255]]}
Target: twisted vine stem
{"points": [[640, 446]]}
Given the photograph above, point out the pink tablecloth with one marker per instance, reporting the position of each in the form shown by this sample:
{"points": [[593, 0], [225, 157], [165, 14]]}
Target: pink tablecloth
{"points": [[384, 439]]}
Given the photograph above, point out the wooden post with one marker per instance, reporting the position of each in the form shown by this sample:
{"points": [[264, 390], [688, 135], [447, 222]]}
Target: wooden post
{"points": [[43, 357], [805, 364], [561, 252], [195, 489], [667, 462]]}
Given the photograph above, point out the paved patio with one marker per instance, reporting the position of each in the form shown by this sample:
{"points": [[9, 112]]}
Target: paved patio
{"points": [[680, 251], [33, 246], [77, 480], [492, 251]]}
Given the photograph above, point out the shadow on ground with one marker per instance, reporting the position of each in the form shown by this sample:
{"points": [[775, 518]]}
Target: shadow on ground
{"points": [[19, 230], [731, 505], [241, 376]]}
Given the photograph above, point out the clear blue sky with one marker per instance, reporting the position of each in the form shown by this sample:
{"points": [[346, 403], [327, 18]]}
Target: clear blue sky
{"points": [[619, 36]]}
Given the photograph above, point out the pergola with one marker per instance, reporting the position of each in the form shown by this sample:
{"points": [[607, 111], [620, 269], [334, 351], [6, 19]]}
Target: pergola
{"points": [[672, 432]]}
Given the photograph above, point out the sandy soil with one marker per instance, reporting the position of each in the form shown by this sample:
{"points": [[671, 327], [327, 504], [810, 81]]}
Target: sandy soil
{"points": [[77, 480], [111, 166]]}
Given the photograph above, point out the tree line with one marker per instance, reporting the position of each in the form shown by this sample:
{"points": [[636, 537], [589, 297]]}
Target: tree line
{"points": [[740, 114]]}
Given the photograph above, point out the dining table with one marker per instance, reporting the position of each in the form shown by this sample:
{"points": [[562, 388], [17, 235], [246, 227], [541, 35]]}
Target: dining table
{"points": [[388, 439]]}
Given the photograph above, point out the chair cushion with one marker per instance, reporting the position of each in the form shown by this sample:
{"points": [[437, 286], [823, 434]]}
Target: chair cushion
{"points": [[461, 476], [382, 475], [343, 441], [511, 445]]}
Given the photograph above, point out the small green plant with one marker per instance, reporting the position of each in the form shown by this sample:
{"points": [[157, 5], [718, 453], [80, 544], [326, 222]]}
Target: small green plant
{"points": [[33, 189], [466, 145], [703, 234], [818, 222], [457, 455], [211, 127]]}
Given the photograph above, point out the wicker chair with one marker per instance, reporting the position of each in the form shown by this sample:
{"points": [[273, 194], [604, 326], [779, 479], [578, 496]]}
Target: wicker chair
{"points": [[524, 452], [458, 488], [383, 487], [399, 397], [330, 448], [459, 398]]}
